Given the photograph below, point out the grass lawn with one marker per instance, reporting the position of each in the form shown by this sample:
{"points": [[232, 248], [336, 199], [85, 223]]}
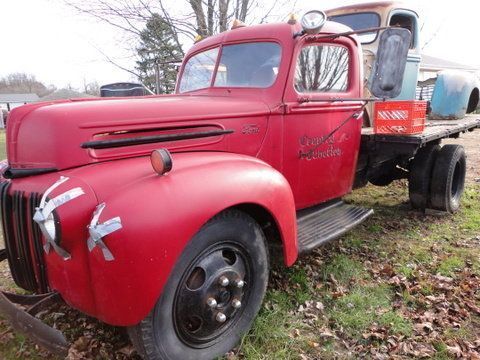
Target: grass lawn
{"points": [[3, 150], [402, 283]]}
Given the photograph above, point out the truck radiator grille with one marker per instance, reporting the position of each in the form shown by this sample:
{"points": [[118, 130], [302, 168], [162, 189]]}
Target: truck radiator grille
{"points": [[23, 239]]}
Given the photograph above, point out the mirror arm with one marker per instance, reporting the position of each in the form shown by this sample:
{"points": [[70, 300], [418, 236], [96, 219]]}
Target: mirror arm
{"points": [[298, 34], [348, 33]]}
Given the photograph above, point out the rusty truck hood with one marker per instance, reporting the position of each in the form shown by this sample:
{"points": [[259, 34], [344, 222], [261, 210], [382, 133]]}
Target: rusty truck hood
{"points": [[66, 134]]}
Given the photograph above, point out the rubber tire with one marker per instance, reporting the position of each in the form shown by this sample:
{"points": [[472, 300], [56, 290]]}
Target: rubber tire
{"points": [[419, 179], [155, 337], [448, 178]]}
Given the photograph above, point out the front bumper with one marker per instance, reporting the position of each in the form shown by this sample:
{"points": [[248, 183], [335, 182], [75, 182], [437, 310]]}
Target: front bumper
{"points": [[23, 318]]}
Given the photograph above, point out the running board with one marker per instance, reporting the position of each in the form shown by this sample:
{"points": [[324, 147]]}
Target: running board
{"points": [[319, 225]]}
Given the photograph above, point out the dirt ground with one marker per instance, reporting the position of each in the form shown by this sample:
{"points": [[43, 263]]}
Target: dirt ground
{"points": [[471, 142]]}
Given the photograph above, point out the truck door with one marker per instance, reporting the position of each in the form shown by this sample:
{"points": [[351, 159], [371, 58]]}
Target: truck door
{"points": [[408, 20], [318, 167]]}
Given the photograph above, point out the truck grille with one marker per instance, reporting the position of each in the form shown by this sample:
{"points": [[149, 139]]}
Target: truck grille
{"points": [[23, 239]]}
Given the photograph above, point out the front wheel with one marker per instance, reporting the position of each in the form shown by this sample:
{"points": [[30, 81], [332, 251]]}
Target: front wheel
{"points": [[213, 294]]}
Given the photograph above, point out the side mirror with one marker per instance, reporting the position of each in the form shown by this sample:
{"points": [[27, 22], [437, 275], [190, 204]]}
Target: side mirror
{"points": [[389, 67]]}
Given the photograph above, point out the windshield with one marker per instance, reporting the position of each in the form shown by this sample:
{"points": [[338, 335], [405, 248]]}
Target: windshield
{"points": [[241, 65], [199, 70], [360, 21]]}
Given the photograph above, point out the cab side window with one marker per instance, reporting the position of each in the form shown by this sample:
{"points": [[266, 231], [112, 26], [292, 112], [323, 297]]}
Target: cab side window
{"points": [[322, 68], [406, 22]]}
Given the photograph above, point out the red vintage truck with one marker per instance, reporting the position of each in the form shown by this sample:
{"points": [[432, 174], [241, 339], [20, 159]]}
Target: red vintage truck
{"points": [[158, 213]]}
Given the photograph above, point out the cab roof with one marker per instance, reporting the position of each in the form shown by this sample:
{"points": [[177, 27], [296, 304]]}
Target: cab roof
{"points": [[366, 6], [381, 7], [281, 32]]}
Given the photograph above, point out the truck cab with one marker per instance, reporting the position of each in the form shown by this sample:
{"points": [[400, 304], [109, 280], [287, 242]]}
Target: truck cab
{"points": [[263, 66], [461, 101], [159, 213], [381, 14]]}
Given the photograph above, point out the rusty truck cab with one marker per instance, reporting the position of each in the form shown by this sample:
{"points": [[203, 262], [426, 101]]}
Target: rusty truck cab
{"points": [[382, 14]]}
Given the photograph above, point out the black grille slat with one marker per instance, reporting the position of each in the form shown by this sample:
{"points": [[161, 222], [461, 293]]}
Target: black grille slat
{"points": [[23, 255], [16, 262], [8, 231], [23, 239], [37, 243], [7, 225]]}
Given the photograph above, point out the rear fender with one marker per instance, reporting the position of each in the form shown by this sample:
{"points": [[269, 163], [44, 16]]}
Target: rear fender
{"points": [[160, 214], [452, 95]]}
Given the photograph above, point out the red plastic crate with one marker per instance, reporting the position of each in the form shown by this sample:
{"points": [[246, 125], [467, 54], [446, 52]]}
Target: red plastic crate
{"points": [[400, 117]]}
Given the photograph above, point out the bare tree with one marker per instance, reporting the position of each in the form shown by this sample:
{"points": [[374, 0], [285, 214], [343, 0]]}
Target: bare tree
{"points": [[131, 16], [219, 13], [187, 18], [24, 83], [184, 19], [91, 88]]}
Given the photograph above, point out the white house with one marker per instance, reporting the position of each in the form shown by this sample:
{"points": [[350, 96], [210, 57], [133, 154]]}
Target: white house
{"points": [[11, 101]]}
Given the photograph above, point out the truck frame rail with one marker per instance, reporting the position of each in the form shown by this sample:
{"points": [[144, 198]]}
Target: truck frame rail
{"points": [[384, 158]]}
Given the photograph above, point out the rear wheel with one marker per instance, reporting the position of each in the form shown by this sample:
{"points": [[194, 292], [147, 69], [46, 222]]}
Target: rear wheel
{"points": [[420, 176], [213, 294], [448, 178], [473, 101]]}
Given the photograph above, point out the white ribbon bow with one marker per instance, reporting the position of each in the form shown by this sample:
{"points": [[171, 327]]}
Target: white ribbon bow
{"points": [[98, 231], [45, 209]]}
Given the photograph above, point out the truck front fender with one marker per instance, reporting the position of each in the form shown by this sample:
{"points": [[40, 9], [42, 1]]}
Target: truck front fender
{"points": [[455, 94], [160, 214]]}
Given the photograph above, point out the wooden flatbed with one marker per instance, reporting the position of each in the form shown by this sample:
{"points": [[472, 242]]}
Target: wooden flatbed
{"points": [[434, 130]]}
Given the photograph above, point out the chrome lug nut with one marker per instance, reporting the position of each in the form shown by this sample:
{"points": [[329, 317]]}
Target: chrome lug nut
{"points": [[236, 303], [211, 302], [239, 284], [221, 318], [223, 281]]}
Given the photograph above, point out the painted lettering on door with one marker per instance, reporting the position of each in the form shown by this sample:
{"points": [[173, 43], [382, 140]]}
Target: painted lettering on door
{"points": [[318, 147]]}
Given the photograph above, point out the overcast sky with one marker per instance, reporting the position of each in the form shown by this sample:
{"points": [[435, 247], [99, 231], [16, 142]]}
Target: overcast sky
{"points": [[60, 47]]}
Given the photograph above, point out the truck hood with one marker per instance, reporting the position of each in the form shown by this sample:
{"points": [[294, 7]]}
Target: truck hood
{"points": [[66, 134]]}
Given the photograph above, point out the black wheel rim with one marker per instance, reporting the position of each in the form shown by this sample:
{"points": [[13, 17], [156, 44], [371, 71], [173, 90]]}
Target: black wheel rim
{"points": [[212, 294]]}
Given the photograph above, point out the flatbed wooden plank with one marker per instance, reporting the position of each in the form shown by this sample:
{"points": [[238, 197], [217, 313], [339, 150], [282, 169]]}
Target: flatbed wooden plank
{"points": [[434, 130]]}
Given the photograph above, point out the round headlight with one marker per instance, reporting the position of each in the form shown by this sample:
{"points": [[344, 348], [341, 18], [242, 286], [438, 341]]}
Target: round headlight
{"points": [[313, 21]]}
